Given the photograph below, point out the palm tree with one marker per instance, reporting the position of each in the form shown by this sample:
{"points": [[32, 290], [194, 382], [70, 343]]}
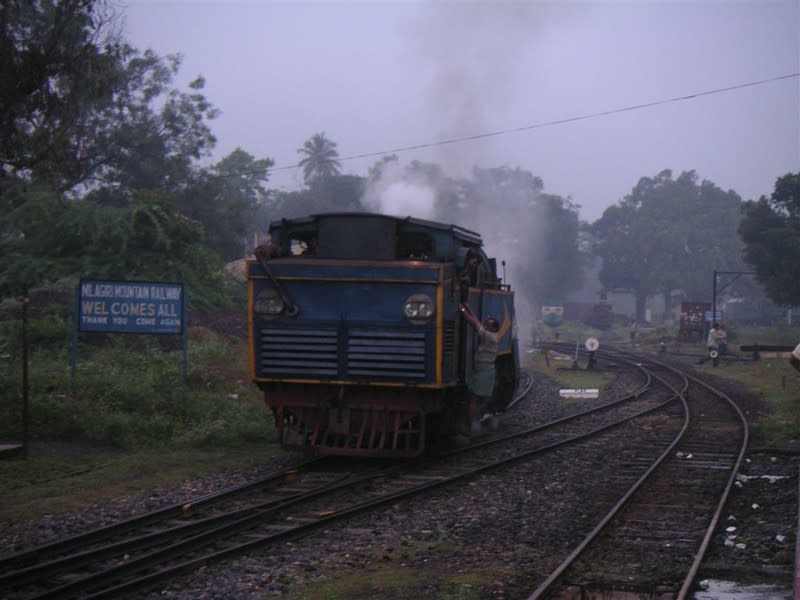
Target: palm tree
{"points": [[320, 158]]}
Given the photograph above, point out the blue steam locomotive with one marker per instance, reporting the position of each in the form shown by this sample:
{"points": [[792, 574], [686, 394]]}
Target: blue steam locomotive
{"points": [[356, 337]]}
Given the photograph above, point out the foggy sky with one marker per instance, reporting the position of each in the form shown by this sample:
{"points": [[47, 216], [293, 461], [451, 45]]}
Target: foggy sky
{"points": [[379, 75]]}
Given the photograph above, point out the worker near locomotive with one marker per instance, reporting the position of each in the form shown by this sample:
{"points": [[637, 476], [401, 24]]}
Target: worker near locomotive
{"points": [[357, 336], [482, 383]]}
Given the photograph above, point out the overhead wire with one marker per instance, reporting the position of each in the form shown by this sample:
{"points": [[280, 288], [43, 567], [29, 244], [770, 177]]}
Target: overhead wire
{"points": [[573, 119]]}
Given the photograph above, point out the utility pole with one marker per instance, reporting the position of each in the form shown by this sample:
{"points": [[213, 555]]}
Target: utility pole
{"points": [[714, 300], [714, 288]]}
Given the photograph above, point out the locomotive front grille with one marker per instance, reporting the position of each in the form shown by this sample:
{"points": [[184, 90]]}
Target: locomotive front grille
{"points": [[386, 354], [449, 346], [299, 352], [365, 354]]}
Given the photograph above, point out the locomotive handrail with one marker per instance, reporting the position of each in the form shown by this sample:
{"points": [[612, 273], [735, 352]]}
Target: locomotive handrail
{"points": [[262, 255]]}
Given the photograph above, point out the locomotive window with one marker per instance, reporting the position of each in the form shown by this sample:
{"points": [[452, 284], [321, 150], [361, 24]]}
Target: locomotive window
{"points": [[414, 245], [303, 244]]}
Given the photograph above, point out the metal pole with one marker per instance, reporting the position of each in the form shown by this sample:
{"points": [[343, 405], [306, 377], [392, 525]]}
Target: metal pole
{"points": [[185, 327], [73, 355], [714, 300], [25, 382]]}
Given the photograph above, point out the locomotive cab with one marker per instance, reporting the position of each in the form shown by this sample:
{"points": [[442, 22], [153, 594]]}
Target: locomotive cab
{"points": [[355, 334]]}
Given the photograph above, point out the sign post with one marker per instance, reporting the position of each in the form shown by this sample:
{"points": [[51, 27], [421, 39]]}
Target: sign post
{"points": [[591, 344], [26, 409], [130, 307]]}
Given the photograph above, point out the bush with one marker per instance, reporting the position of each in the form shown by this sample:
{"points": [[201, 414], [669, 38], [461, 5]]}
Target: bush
{"points": [[128, 392]]}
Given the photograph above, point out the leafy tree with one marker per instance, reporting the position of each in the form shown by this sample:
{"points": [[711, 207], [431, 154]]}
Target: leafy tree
{"points": [[98, 153], [225, 199], [58, 64], [319, 158], [138, 147], [668, 234], [340, 193], [83, 111], [57, 240], [537, 232], [770, 230]]}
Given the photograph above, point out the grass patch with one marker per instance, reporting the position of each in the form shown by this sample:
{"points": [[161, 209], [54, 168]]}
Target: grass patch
{"points": [[128, 421], [771, 379], [778, 385], [402, 583], [129, 392], [405, 576], [563, 373], [48, 484]]}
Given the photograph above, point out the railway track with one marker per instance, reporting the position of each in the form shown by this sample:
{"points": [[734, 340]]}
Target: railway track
{"points": [[139, 553], [142, 551], [651, 542]]}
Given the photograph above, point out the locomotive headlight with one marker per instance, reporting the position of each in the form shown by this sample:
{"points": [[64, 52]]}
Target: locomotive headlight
{"points": [[418, 308], [268, 303]]}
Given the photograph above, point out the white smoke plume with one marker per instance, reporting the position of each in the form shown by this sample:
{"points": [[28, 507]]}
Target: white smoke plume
{"points": [[392, 193], [469, 52]]}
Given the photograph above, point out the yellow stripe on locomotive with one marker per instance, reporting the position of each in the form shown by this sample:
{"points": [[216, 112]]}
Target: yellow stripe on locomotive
{"points": [[355, 334]]}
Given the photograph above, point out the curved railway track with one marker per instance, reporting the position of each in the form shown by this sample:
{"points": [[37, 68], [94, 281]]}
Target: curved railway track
{"points": [[652, 541], [138, 553]]}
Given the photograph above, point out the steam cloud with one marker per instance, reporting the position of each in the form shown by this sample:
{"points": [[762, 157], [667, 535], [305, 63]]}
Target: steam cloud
{"points": [[392, 193], [470, 51]]}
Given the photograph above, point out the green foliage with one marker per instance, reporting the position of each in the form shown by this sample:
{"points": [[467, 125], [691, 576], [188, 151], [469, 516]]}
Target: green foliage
{"points": [[80, 105], [510, 210], [128, 394], [775, 382], [58, 65], [10, 377], [770, 230], [668, 234], [146, 240], [225, 199], [143, 147], [338, 193], [97, 169]]}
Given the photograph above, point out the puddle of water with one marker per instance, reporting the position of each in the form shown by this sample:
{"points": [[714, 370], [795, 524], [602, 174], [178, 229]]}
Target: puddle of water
{"points": [[713, 589]]}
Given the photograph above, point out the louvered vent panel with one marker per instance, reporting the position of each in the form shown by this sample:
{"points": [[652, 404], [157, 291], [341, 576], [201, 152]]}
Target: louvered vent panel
{"points": [[298, 352], [448, 349], [386, 354]]}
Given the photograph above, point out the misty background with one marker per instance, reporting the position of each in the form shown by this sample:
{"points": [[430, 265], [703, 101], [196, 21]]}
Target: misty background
{"points": [[376, 76], [414, 78], [596, 147]]}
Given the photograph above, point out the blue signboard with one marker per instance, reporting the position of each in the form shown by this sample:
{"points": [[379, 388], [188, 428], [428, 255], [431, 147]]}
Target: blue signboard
{"points": [[130, 307], [711, 317]]}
